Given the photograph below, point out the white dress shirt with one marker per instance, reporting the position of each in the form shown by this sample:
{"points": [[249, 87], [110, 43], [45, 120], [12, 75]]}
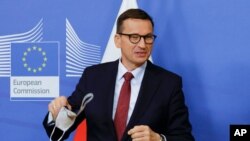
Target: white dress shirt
{"points": [[135, 82]]}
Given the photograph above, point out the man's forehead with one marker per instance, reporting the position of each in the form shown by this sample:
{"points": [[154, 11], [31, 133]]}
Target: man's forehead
{"points": [[137, 25]]}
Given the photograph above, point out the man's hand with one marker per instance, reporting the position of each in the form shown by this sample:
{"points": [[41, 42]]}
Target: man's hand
{"points": [[143, 133], [56, 104]]}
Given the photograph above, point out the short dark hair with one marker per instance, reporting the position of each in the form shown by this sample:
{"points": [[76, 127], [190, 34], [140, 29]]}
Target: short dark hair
{"points": [[133, 14]]}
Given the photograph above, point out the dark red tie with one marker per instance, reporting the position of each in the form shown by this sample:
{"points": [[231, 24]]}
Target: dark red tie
{"points": [[121, 114]]}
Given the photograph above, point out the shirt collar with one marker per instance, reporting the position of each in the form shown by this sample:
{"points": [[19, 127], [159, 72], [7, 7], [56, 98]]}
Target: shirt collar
{"points": [[137, 73]]}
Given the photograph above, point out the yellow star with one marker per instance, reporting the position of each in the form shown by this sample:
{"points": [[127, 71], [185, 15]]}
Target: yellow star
{"points": [[34, 47]]}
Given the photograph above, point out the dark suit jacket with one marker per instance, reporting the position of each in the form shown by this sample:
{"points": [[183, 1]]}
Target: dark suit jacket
{"points": [[160, 104]]}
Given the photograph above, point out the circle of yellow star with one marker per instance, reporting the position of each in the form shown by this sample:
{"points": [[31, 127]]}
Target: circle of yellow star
{"points": [[28, 51]]}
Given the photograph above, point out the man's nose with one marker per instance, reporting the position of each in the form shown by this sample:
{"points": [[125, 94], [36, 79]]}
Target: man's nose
{"points": [[142, 43]]}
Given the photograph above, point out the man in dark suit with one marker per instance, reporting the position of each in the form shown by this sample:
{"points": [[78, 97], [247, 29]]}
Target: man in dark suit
{"points": [[156, 109]]}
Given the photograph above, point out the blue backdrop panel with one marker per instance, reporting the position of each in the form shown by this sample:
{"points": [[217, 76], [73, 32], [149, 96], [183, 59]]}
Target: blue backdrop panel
{"points": [[205, 41]]}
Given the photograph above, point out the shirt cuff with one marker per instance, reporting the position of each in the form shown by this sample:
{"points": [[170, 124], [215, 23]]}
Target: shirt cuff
{"points": [[50, 119]]}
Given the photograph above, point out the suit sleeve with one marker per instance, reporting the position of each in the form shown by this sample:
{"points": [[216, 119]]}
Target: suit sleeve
{"points": [[49, 127], [75, 101], [57, 132], [179, 127]]}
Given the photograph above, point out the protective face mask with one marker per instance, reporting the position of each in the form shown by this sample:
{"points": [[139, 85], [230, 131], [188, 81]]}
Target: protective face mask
{"points": [[66, 118]]}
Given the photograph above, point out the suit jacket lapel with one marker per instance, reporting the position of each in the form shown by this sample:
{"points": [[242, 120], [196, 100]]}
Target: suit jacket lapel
{"points": [[149, 84], [110, 82]]}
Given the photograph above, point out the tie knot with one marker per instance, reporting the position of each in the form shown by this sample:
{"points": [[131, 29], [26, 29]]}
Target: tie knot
{"points": [[128, 76]]}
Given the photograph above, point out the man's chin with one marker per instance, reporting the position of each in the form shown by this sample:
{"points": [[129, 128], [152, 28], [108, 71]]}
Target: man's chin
{"points": [[141, 60]]}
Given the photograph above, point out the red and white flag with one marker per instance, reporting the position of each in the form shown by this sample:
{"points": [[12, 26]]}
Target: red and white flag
{"points": [[111, 53]]}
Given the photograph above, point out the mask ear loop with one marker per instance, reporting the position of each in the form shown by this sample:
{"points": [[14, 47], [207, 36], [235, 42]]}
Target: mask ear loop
{"points": [[50, 138], [87, 98]]}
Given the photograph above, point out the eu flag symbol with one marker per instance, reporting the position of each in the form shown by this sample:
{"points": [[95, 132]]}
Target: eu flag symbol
{"points": [[35, 59]]}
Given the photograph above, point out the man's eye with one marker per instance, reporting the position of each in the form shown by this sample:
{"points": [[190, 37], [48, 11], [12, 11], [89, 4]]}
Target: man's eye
{"points": [[134, 36], [150, 36]]}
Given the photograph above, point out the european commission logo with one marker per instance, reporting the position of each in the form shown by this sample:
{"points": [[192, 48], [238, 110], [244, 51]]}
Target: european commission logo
{"points": [[34, 71], [33, 64]]}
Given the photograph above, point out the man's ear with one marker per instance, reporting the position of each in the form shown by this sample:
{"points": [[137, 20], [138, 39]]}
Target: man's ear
{"points": [[117, 40]]}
